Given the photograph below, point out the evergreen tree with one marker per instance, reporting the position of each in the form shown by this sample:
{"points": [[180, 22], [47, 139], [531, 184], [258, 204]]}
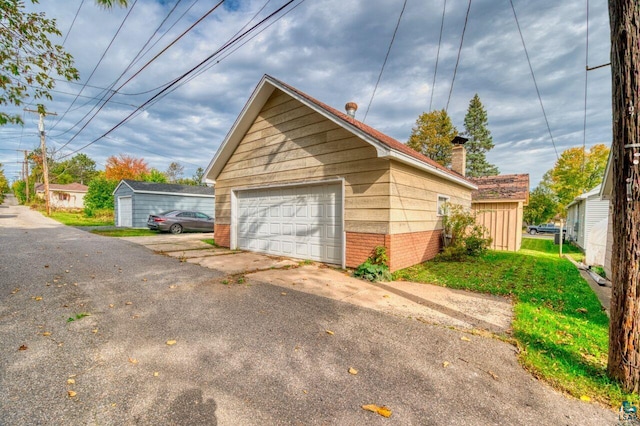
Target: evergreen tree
{"points": [[480, 140], [432, 136]]}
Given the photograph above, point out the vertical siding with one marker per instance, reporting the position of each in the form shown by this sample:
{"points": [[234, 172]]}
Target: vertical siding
{"points": [[582, 242], [414, 198], [123, 191], [288, 143], [609, 249], [572, 220], [145, 204], [503, 221]]}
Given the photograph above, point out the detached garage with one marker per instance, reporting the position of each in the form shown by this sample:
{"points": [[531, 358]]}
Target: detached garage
{"points": [[295, 177], [135, 200]]}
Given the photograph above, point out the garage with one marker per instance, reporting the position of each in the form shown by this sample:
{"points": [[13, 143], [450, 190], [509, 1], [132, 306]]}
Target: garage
{"points": [[296, 221], [125, 212]]}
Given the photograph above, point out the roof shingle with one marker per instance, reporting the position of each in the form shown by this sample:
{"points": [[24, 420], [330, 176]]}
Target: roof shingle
{"points": [[501, 187]]}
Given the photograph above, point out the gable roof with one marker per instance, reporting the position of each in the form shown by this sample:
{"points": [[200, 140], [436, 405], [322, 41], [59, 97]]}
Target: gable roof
{"points": [[593, 192], [166, 188], [501, 187], [386, 146], [70, 187]]}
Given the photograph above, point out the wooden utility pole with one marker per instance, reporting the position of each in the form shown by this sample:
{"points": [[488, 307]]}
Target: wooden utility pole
{"points": [[25, 171], [45, 165], [624, 328]]}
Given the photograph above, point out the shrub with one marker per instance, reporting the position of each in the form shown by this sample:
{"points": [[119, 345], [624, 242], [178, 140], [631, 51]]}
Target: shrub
{"points": [[99, 195], [375, 268], [463, 237]]}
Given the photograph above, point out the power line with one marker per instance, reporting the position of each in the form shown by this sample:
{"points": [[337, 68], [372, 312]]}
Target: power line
{"points": [[435, 71], [183, 76], [535, 83], [140, 70], [586, 79], [99, 61], [404, 5], [72, 23], [455, 69]]}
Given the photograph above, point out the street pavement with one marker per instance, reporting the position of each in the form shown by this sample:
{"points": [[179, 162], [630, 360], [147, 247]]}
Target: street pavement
{"points": [[166, 341]]}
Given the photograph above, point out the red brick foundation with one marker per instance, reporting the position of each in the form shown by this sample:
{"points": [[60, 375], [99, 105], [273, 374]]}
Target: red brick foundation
{"points": [[222, 234], [403, 250]]}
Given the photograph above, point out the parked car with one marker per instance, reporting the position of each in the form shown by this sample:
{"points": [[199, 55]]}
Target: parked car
{"points": [[179, 221], [547, 228]]}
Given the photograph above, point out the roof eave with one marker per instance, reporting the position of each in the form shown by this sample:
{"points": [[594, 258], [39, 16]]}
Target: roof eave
{"points": [[406, 159]]}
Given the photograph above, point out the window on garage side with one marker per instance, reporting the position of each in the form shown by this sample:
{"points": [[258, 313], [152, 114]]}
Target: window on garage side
{"points": [[443, 202]]}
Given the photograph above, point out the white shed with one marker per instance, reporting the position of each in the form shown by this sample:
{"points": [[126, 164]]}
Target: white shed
{"points": [[583, 213]]}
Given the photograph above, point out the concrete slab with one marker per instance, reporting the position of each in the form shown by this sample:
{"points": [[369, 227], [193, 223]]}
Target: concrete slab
{"points": [[191, 254], [243, 262], [427, 303], [178, 246], [169, 238]]}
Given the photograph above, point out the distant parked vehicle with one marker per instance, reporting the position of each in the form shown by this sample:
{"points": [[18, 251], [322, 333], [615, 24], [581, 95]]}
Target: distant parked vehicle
{"points": [[179, 221], [547, 228]]}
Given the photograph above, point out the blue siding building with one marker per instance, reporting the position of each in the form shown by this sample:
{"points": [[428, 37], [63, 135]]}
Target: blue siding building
{"points": [[135, 201]]}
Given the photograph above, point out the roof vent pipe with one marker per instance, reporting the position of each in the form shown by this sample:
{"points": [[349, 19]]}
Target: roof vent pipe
{"points": [[351, 108]]}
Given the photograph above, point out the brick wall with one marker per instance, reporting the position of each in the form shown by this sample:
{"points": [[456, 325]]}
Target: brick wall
{"points": [[360, 246], [409, 249], [222, 234]]}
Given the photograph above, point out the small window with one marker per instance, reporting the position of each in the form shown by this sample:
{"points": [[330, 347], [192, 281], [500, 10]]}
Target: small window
{"points": [[442, 205], [63, 196]]}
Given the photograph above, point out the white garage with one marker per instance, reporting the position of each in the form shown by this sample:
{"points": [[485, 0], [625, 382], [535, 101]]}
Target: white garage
{"points": [[296, 221], [125, 211]]}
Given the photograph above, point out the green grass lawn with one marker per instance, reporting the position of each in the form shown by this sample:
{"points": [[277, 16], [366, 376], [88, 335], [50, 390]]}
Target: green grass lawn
{"points": [[79, 219], [125, 232], [559, 325]]}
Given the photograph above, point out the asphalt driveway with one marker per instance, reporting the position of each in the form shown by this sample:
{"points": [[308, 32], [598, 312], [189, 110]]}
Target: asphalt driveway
{"points": [[245, 352]]}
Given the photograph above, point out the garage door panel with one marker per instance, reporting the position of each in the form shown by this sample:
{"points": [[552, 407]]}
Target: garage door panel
{"points": [[301, 222]]}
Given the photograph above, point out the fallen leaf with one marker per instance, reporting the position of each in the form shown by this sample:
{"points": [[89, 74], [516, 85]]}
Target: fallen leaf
{"points": [[383, 411], [582, 310], [111, 305], [173, 286], [283, 294], [304, 391], [71, 394], [71, 382], [171, 342], [585, 398], [492, 374], [144, 279], [465, 338], [386, 295], [46, 333], [445, 364], [37, 298], [128, 303], [15, 290], [23, 348], [46, 266], [353, 371], [67, 271], [95, 330], [156, 374], [329, 332], [133, 360]]}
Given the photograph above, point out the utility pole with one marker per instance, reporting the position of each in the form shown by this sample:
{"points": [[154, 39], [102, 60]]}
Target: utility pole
{"points": [[45, 165], [624, 327], [25, 171]]}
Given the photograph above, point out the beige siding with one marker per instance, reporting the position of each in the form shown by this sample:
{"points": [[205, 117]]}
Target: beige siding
{"points": [[414, 196], [503, 221], [289, 142]]}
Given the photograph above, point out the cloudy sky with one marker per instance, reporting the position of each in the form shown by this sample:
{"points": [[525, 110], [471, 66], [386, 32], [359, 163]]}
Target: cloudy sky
{"points": [[333, 50]]}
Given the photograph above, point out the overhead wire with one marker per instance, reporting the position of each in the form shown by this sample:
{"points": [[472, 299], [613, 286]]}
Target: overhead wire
{"points": [[586, 80], [142, 69], [183, 76], [535, 83], [435, 71], [455, 69], [99, 61], [393, 37]]}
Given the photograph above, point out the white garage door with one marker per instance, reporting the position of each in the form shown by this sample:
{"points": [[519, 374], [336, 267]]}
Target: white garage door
{"points": [[125, 212], [302, 222]]}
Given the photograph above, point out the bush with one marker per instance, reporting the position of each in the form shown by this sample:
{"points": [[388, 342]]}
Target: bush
{"points": [[99, 195], [375, 268], [462, 236]]}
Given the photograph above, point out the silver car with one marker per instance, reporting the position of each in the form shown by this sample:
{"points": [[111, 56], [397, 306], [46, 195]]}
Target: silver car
{"points": [[179, 221]]}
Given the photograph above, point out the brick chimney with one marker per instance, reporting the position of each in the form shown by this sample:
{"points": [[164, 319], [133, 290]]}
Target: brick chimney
{"points": [[459, 155]]}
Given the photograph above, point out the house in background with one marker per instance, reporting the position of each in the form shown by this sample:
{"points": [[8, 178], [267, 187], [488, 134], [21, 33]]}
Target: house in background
{"points": [[587, 224], [297, 178], [134, 200], [498, 204], [606, 190], [68, 196]]}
